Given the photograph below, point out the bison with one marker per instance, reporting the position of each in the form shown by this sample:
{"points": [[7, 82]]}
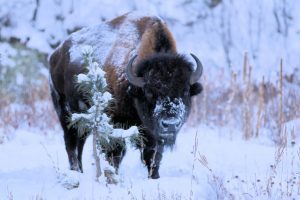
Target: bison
{"points": [[150, 82]]}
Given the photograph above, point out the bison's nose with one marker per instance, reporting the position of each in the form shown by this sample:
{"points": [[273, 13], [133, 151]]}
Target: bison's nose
{"points": [[170, 125]]}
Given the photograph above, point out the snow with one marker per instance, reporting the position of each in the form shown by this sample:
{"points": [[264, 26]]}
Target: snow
{"points": [[82, 78], [106, 96], [176, 107], [36, 165], [6, 52], [125, 133], [92, 36]]}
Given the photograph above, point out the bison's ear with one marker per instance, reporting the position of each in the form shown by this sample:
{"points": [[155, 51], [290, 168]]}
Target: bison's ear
{"points": [[196, 88]]}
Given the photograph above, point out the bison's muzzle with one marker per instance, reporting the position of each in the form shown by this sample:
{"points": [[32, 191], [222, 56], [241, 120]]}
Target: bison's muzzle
{"points": [[170, 115]]}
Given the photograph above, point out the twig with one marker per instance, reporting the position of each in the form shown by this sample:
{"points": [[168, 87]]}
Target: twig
{"points": [[96, 156], [195, 148], [54, 165]]}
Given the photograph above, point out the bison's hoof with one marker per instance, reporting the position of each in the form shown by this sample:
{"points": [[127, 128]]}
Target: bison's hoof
{"points": [[110, 176], [76, 168], [154, 176]]}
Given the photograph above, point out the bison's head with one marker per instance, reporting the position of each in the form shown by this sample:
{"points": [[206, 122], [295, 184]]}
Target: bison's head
{"points": [[164, 85]]}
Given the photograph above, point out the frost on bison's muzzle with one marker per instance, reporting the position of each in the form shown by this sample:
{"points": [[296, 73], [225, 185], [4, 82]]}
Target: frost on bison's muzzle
{"points": [[170, 115]]}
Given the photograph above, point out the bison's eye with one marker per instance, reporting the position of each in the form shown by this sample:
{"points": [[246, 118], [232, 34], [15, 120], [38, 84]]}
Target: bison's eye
{"points": [[149, 95]]}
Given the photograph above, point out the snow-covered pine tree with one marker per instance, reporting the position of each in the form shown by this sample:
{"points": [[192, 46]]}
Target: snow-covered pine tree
{"points": [[93, 86]]}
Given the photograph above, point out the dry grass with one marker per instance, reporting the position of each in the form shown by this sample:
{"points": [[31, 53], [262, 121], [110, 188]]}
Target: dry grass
{"points": [[36, 110], [281, 181], [247, 105], [25, 98], [216, 183]]}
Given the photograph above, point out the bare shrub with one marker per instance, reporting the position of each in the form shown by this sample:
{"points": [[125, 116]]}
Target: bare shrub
{"points": [[215, 181]]}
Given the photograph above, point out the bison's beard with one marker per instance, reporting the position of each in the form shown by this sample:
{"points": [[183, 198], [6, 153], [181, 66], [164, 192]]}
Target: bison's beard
{"points": [[167, 139]]}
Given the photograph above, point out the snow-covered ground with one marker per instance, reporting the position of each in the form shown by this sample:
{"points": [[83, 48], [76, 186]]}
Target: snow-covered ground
{"points": [[204, 165]]}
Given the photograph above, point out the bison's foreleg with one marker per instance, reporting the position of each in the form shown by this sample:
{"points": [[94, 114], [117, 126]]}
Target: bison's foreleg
{"points": [[152, 158], [80, 145]]}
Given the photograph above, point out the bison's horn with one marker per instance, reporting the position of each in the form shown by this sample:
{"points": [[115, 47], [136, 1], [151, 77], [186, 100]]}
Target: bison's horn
{"points": [[132, 78], [198, 72]]}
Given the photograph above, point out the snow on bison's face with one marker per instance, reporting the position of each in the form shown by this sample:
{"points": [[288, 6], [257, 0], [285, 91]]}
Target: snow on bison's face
{"points": [[165, 84]]}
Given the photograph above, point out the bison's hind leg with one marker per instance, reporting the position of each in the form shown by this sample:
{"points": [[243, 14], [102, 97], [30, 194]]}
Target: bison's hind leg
{"points": [[74, 144], [71, 142]]}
